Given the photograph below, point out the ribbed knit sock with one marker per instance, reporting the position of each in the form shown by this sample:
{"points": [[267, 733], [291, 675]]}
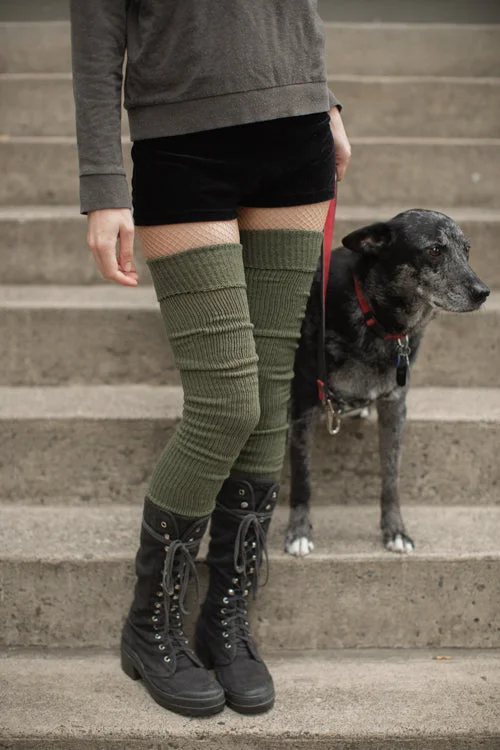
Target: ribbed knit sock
{"points": [[279, 268], [203, 300]]}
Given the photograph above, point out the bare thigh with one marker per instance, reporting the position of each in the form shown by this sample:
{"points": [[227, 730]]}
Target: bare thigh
{"points": [[167, 239], [311, 217]]}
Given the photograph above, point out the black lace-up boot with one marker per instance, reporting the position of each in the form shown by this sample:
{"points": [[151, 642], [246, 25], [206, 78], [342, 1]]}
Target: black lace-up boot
{"points": [[238, 547], [154, 646]]}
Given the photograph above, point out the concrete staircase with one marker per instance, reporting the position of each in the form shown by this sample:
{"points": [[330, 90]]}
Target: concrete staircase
{"points": [[369, 650]]}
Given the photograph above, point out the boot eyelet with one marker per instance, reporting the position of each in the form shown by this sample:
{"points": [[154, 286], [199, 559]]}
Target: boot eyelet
{"points": [[244, 504], [227, 645], [225, 635], [254, 557], [241, 492], [158, 636], [223, 623], [223, 611], [254, 544], [235, 580], [246, 622], [245, 593], [154, 618], [225, 600], [252, 570], [261, 520], [191, 539], [163, 524], [274, 495], [167, 537], [268, 507], [167, 659], [159, 593], [230, 592], [162, 647], [245, 544], [165, 549], [175, 597], [177, 586]]}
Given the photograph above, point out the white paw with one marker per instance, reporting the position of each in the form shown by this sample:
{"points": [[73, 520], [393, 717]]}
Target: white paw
{"points": [[300, 547], [400, 544]]}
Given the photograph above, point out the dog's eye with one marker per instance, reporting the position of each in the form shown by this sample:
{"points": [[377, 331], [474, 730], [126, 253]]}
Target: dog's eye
{"points": [[467, 252], [435, 251]]}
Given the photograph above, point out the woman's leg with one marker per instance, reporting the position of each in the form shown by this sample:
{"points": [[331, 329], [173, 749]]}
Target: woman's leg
{"points": [[198, 274], [281, 248]]}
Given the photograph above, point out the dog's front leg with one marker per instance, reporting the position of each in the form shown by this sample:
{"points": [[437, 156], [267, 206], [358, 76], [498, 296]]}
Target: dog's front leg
{"points": [[391, 421], [298, 540]]}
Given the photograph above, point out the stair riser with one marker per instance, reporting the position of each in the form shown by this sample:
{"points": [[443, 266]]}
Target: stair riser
{"points": [[38, 107], [351, 49], [87, 462], [408, 174], [62, 256], [373, 603], [63, 346], [264, 743]]}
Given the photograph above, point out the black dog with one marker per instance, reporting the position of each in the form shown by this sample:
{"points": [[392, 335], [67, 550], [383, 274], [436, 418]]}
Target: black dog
{"points": [[403, 270]]}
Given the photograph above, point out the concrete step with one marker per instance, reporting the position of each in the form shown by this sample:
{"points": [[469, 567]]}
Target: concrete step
{"points": [[384, 171], [58, 564], [352, 48], [57, 235], [42, 105], [110, 334], [98, 445], [334, 700]]}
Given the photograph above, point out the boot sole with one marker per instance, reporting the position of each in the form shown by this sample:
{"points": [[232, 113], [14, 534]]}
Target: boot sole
{"points": [[256, 708], [133, 669]]}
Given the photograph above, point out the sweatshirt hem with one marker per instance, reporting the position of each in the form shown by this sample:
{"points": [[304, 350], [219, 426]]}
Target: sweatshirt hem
{"points": [[227, 110]]}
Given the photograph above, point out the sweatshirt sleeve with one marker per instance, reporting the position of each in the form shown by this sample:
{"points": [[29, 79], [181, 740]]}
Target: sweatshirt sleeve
{"points": [[98, 42], [333, 101]]}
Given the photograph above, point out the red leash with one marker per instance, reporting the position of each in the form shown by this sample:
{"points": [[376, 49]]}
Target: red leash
{"points": [[333, 421]]}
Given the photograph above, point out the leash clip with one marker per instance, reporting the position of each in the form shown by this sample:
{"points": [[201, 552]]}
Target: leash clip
{"points": [[333, 420]]}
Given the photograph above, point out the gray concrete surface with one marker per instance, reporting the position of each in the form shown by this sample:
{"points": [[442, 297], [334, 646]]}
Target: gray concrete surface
{"points": [[373, 106], [56, 237], [99, 445], [388, 171], [359, 700], [114, 335], [57, 565]]}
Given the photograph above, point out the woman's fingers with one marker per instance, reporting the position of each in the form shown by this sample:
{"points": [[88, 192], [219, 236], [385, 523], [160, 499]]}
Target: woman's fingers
{"points": [[342, 145]]}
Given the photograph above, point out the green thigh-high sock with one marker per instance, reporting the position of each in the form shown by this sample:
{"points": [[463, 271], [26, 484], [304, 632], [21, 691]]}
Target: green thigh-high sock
{"points": [[279, 268], [203, 300]]}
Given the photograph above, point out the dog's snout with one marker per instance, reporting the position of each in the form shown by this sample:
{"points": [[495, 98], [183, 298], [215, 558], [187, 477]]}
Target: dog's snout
{"points": [[479, 293]]}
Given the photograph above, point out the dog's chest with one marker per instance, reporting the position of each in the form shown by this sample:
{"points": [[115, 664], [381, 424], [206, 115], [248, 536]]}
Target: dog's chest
{"points": [[364, 376]]}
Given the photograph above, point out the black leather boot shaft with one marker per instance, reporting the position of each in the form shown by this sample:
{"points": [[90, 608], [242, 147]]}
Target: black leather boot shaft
{"points": [[154, 646], [236, 556]]}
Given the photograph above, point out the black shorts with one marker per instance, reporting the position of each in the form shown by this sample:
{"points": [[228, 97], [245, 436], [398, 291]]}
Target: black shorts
{"points": [[205, 176]]}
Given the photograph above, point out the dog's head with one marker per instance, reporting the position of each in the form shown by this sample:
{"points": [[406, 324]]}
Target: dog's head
{"points": [[424, 253]]}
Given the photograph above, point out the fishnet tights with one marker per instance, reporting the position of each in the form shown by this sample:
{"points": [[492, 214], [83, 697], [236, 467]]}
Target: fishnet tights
{"points": [[167, 239]]}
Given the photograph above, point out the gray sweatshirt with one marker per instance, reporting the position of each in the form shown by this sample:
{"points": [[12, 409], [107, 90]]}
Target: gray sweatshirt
{"points": [[191, 65]]}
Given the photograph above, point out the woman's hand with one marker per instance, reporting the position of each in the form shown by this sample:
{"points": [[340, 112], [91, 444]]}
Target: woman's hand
{"points": [[105, 227], [342, 145]]}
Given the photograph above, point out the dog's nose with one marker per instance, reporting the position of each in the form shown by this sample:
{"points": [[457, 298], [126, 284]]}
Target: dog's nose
{"points": [[479, 293]]}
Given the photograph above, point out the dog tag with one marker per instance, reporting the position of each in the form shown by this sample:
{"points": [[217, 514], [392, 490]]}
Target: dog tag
{"points": [[402, 371]]}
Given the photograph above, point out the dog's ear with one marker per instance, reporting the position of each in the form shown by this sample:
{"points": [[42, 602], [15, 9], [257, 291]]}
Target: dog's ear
{"points": [[369, 239]]}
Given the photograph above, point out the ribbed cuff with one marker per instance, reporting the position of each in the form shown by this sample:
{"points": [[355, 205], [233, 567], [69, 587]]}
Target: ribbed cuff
{"points": [[103, 191], [277, 249], [197, 270], [333, 101]]}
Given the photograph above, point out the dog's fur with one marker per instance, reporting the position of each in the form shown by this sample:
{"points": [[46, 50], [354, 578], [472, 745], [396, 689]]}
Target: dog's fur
{"points": [[408, 268]]}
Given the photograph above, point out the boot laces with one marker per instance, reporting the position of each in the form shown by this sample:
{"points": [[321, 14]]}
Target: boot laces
{"points": [[178, 568]]}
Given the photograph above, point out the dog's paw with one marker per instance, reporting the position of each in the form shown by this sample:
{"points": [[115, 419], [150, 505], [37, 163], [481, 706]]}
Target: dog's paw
{"points": [[299, 547], [400, 543]]}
